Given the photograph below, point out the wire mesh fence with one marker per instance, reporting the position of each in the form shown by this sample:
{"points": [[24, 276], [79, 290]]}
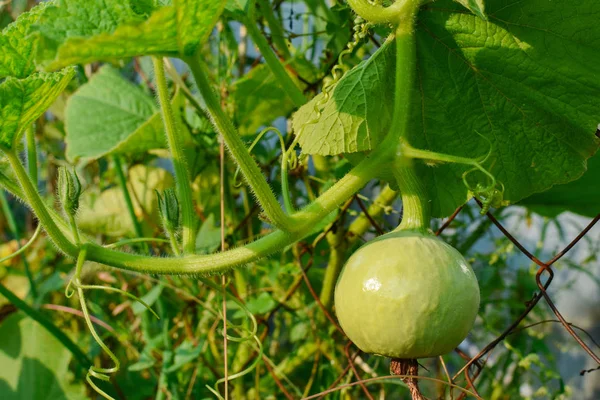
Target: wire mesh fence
{"points": [[474, 365]]}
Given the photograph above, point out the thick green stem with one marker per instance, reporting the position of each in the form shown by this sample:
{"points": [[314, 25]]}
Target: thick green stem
{"points": [[406, 66], [216, 263], [273, 62], [238, 150], [32, 154], [14, 189], [347, 186], [304, 222], [203, 264], [298, 226], [36, 203], [277, 33], [415, 204], [182, 176]]}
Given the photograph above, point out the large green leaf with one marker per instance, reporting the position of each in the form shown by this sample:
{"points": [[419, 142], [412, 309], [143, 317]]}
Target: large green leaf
{"points": [[17, 51], [34, 365], [112, 115], [356, 115], [22, 101], [174, 30], [580, 196], [80, 18], [526, 79]]}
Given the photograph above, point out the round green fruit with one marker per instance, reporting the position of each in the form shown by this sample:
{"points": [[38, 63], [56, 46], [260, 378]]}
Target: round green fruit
{"points": [[407, 295]]}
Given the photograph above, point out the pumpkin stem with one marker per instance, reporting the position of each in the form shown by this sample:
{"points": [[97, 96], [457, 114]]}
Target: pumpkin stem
{"points": [[399, 366]]}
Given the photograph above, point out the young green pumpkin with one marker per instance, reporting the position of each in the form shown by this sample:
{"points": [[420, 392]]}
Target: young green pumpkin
{"points": [[407, 295]]}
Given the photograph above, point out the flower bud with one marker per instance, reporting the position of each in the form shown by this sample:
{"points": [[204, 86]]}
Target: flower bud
{"points": [[168, 208], [69, 190]]}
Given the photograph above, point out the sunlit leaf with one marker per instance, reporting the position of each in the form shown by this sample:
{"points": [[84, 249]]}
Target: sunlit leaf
{"points": [[174, 30], [22, 101], [526, 79], [17, 51]]}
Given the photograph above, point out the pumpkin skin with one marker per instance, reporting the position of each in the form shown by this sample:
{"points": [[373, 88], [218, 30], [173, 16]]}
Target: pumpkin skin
{"points": [[407, 295]]}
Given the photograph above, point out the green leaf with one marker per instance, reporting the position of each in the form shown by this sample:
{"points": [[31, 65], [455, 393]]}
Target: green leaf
{"points": [[526, 80], [22, 101], [184, 354], [261, 304], [106, 212], [146, 361], [149, 298], [258, 305], [17, 51], [477, 7], [259, 99], [79, 18], [356, 115], [111, 115], [34, 365], [580, 196], [175, 30], [208, 238]]}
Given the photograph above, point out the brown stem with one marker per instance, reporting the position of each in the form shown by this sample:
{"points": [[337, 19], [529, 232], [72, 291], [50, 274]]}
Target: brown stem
{"points": [[400, 366]]}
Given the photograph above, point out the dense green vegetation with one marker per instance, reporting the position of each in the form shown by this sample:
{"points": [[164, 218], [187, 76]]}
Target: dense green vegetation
{"points": [[182, 182]]}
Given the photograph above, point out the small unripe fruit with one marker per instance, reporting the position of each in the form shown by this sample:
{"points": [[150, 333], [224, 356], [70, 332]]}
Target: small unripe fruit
{"points": [[168, 208], [407, 295], [69, 190]]}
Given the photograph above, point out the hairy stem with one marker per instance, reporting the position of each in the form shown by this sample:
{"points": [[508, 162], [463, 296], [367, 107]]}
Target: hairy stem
{"points": [[32, 154], [416, 209], [248, 166], [182, 176], [415, 202], [204, 264], [36, 203], [406, 66], [286, 82]]}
